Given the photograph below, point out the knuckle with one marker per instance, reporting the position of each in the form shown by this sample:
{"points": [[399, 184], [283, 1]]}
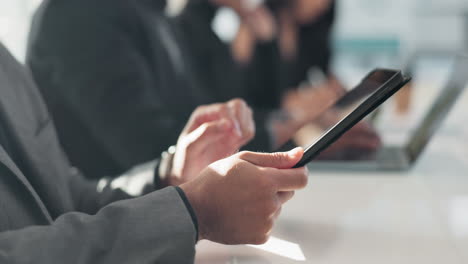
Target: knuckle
{"points": [[234, 167], [223, 108], [251, 132], [277, 213], [303, 178], [249, 116], [249, 110], [270, 209], [263, 181], [305, 174], [200, 108], [237, 102], [268, 226], [291, 194]]}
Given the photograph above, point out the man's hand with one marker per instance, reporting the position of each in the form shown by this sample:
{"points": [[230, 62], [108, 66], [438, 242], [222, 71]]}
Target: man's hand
{"points": [[237, 199], [213, 132]]}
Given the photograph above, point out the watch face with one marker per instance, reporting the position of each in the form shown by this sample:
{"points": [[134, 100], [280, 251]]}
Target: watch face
{"points": [[165, 165], [172, 150]]}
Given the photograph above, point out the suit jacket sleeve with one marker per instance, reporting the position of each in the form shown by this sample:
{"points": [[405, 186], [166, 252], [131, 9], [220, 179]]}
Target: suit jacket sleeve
{"points": [[104, 78], [89, 196], [155, 228]]}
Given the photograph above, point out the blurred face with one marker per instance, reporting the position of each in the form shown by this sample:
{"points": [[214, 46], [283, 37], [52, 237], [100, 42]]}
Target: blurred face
{"points": [[306, 11]]}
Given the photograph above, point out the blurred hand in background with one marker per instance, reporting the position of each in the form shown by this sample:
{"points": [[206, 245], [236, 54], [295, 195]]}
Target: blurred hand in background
{"points": [[213, 132]]}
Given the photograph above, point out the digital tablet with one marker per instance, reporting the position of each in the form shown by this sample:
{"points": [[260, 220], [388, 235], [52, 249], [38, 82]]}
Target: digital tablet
{"points": [[374, 89]]}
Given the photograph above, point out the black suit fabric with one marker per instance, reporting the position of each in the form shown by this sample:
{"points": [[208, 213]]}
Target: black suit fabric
{"points": [[115, 79]]}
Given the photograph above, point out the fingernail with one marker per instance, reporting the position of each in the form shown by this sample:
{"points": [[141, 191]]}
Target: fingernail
{"points": [[294, 152]]}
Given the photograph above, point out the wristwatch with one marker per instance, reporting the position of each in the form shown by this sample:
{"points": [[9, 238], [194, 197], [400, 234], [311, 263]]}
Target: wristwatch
{"points": [[165, 166]]}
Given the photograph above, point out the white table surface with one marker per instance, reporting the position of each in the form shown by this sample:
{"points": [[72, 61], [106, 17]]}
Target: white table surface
{"points": [[419, 216]]}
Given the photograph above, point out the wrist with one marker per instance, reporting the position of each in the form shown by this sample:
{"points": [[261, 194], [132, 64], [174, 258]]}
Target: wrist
{"points": [[190, 210], [192, 194]]}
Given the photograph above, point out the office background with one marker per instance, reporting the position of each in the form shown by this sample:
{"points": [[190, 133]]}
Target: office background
{"points": [[418, 216], [399, 26]]}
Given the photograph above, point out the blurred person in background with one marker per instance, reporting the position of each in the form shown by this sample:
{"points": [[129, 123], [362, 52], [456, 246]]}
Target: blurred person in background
{"points": [[276, 45], [119, 79], [114, 78], [279, 61]]}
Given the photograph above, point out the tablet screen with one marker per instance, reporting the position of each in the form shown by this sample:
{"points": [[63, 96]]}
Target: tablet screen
{"points": [[363, 90], [343, 108]]}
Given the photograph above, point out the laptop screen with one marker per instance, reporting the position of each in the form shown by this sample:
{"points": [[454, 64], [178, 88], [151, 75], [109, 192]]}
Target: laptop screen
{"points": [[457, 82]]}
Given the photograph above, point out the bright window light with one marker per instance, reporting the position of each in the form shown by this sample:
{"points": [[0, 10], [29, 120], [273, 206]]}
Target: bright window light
{"points": [[282, 248]]}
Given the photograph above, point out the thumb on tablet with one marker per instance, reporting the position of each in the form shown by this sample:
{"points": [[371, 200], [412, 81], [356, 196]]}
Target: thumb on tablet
{"points": [[278, 160]]}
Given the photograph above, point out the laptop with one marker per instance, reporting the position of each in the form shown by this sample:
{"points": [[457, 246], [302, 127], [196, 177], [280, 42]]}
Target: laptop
{"points": [[403, 157]]}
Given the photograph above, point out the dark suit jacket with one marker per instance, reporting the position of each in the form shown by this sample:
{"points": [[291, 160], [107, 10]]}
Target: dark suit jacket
{"points": [[259, 82], [221, 76], [315, 47], [50, 214], [117, 79], [278, 75]]}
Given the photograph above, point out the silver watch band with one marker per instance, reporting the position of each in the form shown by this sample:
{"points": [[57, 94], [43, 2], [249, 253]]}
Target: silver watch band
{"points": [[167, 158]]}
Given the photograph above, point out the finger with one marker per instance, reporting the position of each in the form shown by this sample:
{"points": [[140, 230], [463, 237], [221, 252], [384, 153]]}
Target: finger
{"points": [[244, 118], [220, 133], [208, 113], [202, 114], [220, 145], [209, 130], [290, 179], [235, 114], [283, 197], [279, 160], [250, 127]]}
